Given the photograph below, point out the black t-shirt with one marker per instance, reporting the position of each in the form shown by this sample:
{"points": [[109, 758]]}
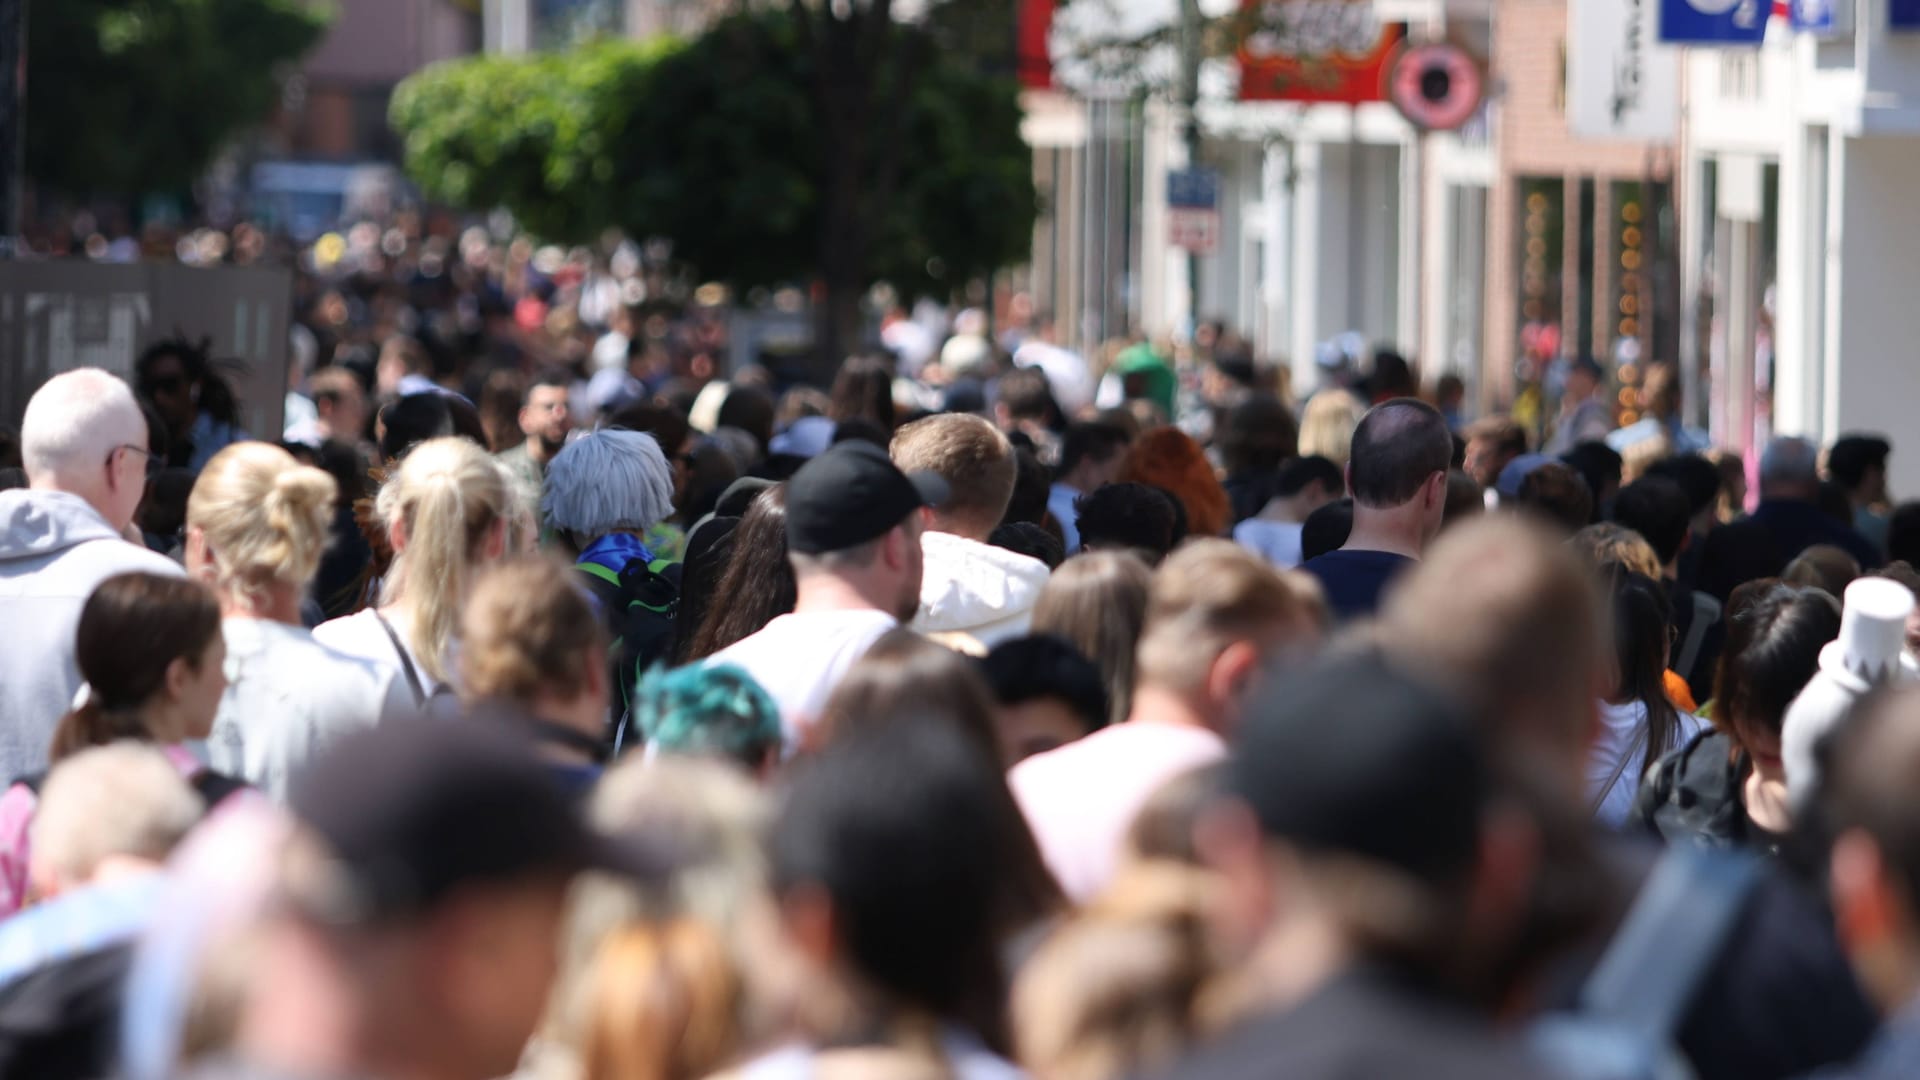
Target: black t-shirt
{"points": [[1779, 1001], [1355, 580]]}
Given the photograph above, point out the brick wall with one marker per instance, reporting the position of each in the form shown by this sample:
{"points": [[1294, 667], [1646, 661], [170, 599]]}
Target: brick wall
{"points": [[1529, 67]]}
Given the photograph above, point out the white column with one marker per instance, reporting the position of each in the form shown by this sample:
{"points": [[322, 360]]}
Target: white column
{"points": [[1878, 319], [1309, 238]]}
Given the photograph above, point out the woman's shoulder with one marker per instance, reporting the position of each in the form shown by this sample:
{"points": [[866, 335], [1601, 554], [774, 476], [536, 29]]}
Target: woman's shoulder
{"points": [[348, 631], [297, 657]]}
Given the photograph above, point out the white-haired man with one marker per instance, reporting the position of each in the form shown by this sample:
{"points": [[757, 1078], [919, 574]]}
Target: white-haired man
{"points": [[604, 491], [84, 444]]}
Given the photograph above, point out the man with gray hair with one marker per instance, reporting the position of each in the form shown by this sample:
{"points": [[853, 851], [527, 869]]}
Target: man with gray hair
{"points": [[84, 444], [604, 491], [1790, 512]]}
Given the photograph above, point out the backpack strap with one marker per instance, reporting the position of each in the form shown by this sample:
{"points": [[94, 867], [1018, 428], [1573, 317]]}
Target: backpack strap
{"points": [[1619, 770], [1676, 927], [1706, 615], [406, 661]]}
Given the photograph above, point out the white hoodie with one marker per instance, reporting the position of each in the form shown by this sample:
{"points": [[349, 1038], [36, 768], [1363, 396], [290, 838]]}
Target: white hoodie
{"points": [[976, 589], [54, 549]]}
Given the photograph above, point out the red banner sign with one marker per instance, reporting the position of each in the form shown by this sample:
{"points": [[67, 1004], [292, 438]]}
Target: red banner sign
{"points": [[1030, 43], [1329, 51]]}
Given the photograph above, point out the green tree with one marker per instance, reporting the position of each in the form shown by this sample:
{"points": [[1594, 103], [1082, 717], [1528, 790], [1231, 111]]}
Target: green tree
{"points": [[132, 96], [729, 148]]}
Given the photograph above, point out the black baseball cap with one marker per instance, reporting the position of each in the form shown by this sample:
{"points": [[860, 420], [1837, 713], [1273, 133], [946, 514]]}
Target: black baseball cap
{"points": [[1355, 756], [850, 494], [414, 809]]}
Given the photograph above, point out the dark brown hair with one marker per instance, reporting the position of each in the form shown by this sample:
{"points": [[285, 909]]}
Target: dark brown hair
{"points": [[864, 391], [131, 630], [906, 679], [757, 584]]}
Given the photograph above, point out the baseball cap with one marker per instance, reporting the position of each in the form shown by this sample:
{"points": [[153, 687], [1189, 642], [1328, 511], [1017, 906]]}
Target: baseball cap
{"points": [[805, 437], [1355, 756], [414, 809], [1515, 473], [850, 494]]}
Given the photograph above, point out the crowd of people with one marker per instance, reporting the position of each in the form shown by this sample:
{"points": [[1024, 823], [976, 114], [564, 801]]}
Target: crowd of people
{"points": [[548, 702]]}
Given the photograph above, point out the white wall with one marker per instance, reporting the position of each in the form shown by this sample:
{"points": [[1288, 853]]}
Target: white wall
{"points": [[1878, 314]]}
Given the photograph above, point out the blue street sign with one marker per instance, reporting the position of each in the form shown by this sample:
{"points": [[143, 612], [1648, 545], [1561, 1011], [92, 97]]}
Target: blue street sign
{"points": [[1715, 22], [1827, 19], [1814, 17], [1193, 189], [1903, 15]]}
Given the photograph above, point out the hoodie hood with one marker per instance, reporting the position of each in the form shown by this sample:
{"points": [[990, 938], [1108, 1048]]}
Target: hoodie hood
{"points": [[36, 524], [977, 589]]}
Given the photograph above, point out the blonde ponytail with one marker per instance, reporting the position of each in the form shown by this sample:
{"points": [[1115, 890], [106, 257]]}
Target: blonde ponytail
{"points": [[446, 497], [266, 517]]}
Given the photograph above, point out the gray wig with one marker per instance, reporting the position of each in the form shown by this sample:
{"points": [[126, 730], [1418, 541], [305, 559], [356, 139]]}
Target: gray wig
{"points": [[606, 482]]}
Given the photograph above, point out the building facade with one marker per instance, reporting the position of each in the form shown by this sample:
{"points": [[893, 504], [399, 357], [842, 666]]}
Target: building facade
{"points": [[1803, 162]]}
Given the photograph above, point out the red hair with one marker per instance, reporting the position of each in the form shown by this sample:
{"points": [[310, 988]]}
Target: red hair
{"points": [[1169, 459]]}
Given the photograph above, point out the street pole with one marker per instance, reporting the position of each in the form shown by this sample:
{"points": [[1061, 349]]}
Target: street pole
{"points": [[13, 111], [1190, 34]]}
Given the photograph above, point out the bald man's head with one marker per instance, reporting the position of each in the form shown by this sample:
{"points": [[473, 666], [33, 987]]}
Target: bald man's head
{"points": [[1397, 448]]}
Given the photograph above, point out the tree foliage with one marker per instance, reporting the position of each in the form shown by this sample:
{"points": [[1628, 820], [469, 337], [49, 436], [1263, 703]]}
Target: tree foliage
{"points": [[132, 96], [720, 146]]}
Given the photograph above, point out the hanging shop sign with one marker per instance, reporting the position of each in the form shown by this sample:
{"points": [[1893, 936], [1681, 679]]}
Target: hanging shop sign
{"points": [[1622, 83], [1326, 51]]}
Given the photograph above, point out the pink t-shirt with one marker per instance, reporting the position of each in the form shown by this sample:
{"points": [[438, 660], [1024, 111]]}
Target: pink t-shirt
{"points": [[1080, 800]]}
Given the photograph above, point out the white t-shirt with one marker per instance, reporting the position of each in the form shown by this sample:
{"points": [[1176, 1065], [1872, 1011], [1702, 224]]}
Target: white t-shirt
{"points": [[1620, 727], [1278, 542], [1080, 800], [799, 658], [287, 696], [361, 636]]}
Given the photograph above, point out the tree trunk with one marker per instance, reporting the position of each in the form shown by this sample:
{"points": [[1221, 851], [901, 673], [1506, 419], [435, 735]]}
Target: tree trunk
{"points": [[861, 123]]}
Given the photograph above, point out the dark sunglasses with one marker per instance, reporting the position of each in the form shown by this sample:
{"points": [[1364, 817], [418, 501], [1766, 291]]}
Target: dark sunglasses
{"points": [[163, 384], [154, 464]]}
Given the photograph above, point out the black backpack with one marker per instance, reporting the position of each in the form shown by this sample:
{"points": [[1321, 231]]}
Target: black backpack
{"points": [[639, 605]]}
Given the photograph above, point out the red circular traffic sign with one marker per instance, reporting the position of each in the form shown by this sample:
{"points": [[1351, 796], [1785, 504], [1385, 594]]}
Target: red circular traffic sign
{"points": [[1437, 87]]}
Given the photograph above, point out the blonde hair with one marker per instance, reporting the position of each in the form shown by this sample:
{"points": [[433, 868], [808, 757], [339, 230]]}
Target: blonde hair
{"points": [[971, 455], [266, 517], [125, 798], [717, 818], [1097, 602], [1326, 426], [1121, 988], [1209, 595], [528, 627], [665, 1003], [1605, 542], [447, 496]]}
